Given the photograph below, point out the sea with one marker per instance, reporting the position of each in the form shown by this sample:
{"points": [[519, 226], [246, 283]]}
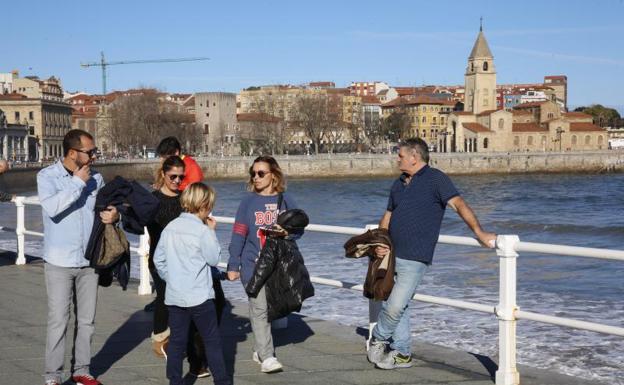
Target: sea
{"points": [[569, 209]]}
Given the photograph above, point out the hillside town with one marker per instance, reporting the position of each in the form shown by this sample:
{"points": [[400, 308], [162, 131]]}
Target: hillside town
{"points": [[366, 116]]}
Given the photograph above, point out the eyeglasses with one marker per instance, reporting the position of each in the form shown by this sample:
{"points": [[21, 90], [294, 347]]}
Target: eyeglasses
{"points": [[90, 153], [173, 177], [261, 173]]}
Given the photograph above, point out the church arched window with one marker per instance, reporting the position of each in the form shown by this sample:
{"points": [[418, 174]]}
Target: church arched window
{"points": [[485, 66], [472, 67], [485, 142]]}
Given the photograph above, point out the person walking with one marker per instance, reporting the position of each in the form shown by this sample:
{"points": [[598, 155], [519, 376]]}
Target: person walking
{"points": [[187, 248], [4, 196], [258, 210], [413, 217], [67, 190]]}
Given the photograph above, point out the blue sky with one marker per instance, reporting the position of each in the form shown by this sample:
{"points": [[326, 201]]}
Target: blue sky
{"points": [[267, 42]]}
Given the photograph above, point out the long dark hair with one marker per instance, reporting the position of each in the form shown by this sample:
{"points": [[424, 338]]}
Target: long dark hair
{"points": [[166, 165]]}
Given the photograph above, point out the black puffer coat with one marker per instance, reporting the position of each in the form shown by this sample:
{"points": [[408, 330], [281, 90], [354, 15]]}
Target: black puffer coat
{"points": [[281, 269]]}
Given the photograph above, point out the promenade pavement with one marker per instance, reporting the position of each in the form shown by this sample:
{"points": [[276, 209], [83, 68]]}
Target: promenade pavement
{"points": [[312, 351]]}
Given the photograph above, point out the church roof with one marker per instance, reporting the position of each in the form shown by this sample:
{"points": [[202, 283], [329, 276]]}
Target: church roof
{"points": [[481, 48], [475, 127], [582, 126]]}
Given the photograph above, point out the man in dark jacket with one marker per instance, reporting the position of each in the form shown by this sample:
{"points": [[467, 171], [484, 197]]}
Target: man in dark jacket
{"points": [[413, 217]]}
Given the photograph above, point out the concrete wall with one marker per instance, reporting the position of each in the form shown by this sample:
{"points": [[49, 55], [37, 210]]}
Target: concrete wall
{"points": [[339, 166]]}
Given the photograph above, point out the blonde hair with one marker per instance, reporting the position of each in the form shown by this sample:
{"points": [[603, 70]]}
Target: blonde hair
{"points": [[278, 181], [197, 196]]}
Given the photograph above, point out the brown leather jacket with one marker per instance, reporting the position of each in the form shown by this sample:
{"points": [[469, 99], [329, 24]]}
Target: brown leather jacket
{"points": [[380, 275]]}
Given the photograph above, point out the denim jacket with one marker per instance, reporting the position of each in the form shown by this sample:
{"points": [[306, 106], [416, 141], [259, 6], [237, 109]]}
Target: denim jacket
{"points": [[183, 256], [67, 206]]}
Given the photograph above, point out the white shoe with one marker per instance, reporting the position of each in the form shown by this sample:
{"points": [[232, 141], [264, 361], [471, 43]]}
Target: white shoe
{"points": [[271, 365]]}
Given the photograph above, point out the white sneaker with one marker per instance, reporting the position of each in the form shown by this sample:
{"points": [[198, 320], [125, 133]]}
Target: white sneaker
{"points": [[271, 365], [377, 350]]}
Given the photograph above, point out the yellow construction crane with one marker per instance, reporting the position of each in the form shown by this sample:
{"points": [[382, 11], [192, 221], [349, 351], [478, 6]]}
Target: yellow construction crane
{"points": [[103, 63]]}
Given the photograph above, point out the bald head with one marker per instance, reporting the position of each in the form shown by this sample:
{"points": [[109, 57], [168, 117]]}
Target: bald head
{"points": [[4, 165]]}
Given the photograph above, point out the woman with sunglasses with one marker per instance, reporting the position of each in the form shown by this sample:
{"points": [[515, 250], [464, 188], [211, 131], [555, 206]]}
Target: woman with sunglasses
{"points": [[168, 180], [258, 210]]}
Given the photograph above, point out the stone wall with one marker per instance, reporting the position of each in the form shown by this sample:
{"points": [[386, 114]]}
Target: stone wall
{"points": [[338, 166]]}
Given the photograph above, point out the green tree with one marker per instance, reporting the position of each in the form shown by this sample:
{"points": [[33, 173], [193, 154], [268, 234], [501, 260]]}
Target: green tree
{"points": [[603, 116]]}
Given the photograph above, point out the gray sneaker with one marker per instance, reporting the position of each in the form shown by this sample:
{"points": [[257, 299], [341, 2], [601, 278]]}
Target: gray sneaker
{"points": [[395, 360], [377, 350]]}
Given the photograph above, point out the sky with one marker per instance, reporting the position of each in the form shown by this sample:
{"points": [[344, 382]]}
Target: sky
{"points": [[250, 43]]}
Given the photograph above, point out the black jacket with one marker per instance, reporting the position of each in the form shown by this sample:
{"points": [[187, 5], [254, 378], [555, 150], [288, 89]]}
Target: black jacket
{"points": [[137, 207], [281, 268]]}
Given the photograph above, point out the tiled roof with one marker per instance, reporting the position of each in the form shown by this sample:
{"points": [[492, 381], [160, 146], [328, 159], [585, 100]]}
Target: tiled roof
{"points": [[521, 112], [577, 115], [527, 127], [13, 96], [463, 113], [401, 101], [560, 77], [582, 126], [531, 104], [476, 127], [480, 48], [370, 99], [485, 113]]}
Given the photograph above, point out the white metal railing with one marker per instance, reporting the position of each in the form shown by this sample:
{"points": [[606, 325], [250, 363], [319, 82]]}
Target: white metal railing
{"points": [[507, 311]]}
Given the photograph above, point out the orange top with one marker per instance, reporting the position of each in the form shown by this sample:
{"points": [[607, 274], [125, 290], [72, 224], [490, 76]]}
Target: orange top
{"points": [[192, 172]]}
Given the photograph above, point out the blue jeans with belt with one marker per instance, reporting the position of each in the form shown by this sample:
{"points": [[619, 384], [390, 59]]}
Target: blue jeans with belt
{"points": [[393, 320]]}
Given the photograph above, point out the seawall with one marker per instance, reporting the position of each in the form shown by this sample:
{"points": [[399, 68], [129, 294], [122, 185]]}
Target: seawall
{"points": [[359, 165]]}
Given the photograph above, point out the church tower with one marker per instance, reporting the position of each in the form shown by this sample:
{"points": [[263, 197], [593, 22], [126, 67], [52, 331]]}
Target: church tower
{"points": [[480, 78]]}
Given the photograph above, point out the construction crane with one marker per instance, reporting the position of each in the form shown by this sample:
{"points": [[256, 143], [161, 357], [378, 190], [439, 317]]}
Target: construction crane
{"points": [[103, 63]]}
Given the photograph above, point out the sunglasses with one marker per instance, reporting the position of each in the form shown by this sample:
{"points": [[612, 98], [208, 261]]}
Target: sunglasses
{"points": [[261, 173], [173, 177], [90, 153]]}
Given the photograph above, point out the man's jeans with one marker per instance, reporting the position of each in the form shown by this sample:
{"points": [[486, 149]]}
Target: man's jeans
{"points": [[60, 283], [394, 316]]}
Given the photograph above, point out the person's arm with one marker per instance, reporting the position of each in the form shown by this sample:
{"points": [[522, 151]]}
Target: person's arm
{"points": [[54, 202], [240, 231], [458, 204], [384, 223], [210, 248], [160, 257]]}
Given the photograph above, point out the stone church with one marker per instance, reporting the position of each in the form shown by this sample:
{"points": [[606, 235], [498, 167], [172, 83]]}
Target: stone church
{"points": [[536, 126]]}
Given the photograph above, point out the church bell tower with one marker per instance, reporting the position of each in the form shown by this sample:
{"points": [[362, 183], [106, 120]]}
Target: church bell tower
{"points": [[480, 78]]}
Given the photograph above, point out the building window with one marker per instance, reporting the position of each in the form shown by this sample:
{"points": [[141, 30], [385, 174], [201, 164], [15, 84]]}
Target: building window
{"points": [[543, 140], [206, 128], [551, 115], [424, 119], [472, 67], [516, 141], [485, 142], [530, 141], [501, 123], [600, 140], [485, 66], [587, 139], [574, 139], [31, 115], [207, 114], [17, 116]]}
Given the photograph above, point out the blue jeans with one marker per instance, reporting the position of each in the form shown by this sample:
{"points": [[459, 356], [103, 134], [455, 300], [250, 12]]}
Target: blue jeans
{"points": [[205, 318], [393, 320]]}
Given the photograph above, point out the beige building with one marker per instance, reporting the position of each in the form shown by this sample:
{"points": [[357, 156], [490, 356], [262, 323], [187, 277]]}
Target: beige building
{"points": [[14, 141], [427, 116], [215, 115], [534, 126], [39, 105]]}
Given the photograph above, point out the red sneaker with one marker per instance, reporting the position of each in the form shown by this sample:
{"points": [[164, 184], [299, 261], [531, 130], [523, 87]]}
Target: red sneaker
{"points": [[85, 379]]}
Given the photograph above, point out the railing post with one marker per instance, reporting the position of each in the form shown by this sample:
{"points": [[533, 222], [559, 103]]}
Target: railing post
{"points": [[145, 288], [507, 373], [19, 231], [374, 307]]}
